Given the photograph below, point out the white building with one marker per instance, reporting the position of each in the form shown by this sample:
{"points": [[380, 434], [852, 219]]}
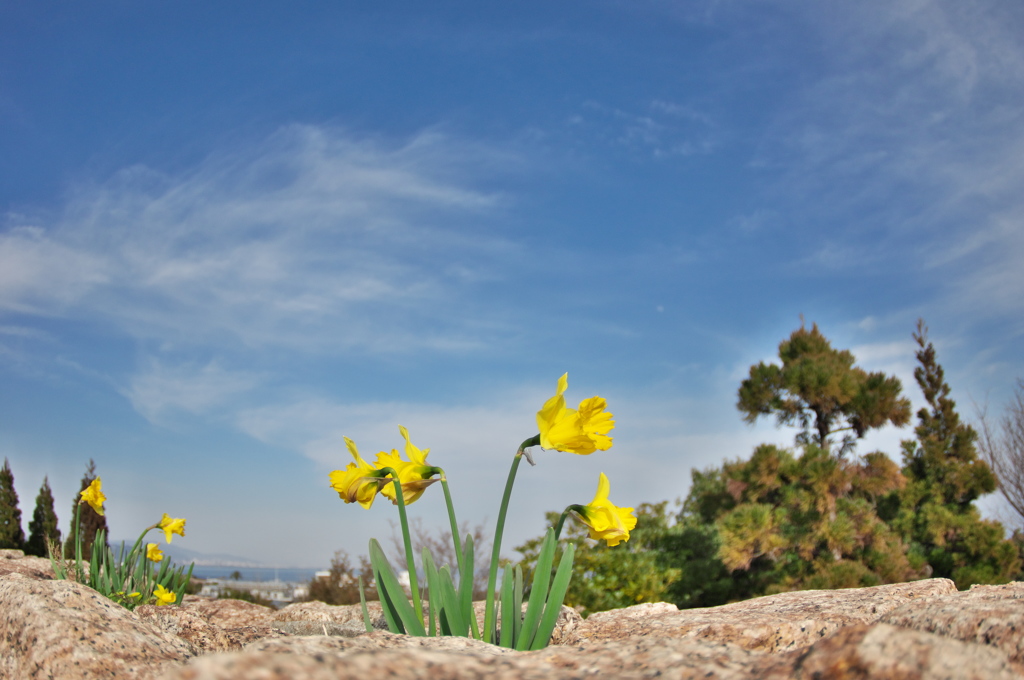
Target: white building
{"points": [[279, 593]]}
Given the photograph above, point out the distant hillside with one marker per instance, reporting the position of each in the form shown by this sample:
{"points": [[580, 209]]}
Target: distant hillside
{"points": [[184, 555]]}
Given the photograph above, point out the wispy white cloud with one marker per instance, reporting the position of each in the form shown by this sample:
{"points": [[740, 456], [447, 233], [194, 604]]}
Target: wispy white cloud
{"points": [[161, 390], [914, 129], [301, 241], [660, 128], [42, 275]]}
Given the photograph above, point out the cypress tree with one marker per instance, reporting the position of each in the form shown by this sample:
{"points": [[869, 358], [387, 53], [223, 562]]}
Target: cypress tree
{"points": [[44, 523], [90, 521], [11, 533]]}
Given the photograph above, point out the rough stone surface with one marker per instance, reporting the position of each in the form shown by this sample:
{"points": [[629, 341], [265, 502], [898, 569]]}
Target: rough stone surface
{"points": [[991, 615], [16, 562], [195, 627], [64, 630], [880, 652], [776, 623], [924, 630], [327, 613], [883, 651], [231, 613], [349, 619]]}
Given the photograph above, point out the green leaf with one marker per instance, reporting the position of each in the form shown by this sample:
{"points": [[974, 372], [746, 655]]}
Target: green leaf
{"points": [[554, 605], [433, 591], [466, 585], [508, 611], [517, 603], [389, 588], [450, 602], [538, 592], [390, 613], [362, 601]]}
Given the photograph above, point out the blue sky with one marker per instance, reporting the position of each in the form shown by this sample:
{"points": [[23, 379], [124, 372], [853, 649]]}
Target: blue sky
{"points": [[232, 233]]}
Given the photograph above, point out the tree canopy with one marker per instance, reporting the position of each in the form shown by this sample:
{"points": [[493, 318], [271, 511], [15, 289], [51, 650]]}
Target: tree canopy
{"points": [[820, 389]]}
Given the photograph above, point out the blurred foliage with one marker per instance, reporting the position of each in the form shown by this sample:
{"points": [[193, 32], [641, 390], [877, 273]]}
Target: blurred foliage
{"points": [[245, 595], [612, 577], [341, 586]]}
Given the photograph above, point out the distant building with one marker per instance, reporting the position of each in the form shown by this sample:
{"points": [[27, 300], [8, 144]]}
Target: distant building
{"points": [[279, 593]]}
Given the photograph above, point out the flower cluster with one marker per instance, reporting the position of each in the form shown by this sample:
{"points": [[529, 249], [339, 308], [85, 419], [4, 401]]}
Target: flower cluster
{"points": [[583, 431], [360, 482], [127, 578]]}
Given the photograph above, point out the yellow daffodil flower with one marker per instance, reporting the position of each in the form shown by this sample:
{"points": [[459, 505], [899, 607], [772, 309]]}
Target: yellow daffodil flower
{"points": [[414, 475], [93, 496], [153, 553], [164, 596], [582, 430], [606, 521], [357, 483], [172, 526]]}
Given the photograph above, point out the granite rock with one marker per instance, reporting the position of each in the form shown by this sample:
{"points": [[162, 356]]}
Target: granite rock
{"points": [[202, 629], [65, 630], [991, 615], [879, 652], [16, 562], [922, 630], [775, 623]]}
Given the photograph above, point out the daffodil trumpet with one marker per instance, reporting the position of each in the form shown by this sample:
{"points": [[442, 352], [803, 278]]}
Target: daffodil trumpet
{"points": [[605, 520]]}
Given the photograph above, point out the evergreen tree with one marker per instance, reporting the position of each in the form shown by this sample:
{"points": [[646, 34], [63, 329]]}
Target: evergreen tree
{"points": [[11, 533], [819, 389], [90, 521], [44, 523], [779, 522], [936, 512]]}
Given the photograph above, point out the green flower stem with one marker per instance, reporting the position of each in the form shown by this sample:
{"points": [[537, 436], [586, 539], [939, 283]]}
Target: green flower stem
{"points": [[79, 574], [492, 576], [455, 525], [458, 545], [561, 520], [133, 557], [410, 559]]}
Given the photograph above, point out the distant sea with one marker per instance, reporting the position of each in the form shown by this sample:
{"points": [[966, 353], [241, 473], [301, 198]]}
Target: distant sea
{"points": [[286, 574]]}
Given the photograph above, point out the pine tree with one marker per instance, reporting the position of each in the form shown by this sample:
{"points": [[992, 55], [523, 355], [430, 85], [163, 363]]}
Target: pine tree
{"points": [[935, 512], [819, 389], [945, 455], [44, 523], [11, 533], [90, 520]]}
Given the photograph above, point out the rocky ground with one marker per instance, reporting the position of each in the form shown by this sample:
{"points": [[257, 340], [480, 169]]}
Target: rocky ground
{"points": [[924, 629]]}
